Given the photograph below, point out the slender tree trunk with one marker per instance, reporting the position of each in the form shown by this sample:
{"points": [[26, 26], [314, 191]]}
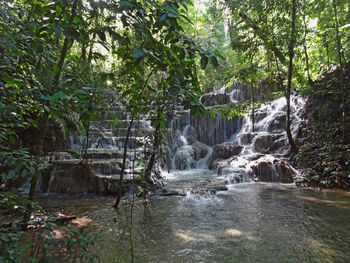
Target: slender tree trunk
{"points": [[253, 107], [292, 41], [83, 52], [156, 143], [91, 48], [65, 49], [328, 59], [38, 151], [339, 45], [305, 46], [120, 185]]}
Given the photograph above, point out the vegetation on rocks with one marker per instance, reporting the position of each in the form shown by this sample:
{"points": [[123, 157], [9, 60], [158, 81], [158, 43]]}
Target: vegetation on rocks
{"points": [[325, 153]]}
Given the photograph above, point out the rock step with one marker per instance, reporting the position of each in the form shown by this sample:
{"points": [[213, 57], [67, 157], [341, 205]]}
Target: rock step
{"points": [[107, 154], [136, 132], [119, 115], [114, 124], [99, 167], [96, 154], [77, 142]]}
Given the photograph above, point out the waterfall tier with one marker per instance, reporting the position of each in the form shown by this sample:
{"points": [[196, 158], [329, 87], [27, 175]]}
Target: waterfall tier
{"points": [[234, 149]]}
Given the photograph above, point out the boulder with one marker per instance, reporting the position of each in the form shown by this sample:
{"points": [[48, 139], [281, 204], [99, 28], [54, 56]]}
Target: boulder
{"points": [[269, 143], [200, 150], [224, 151], [246, 138], [184, 158], [278, 123], [272, 171]]}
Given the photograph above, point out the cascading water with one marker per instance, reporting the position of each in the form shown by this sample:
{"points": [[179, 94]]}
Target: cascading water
{"points": [[249, 152], [230, 149], [264, 147]]}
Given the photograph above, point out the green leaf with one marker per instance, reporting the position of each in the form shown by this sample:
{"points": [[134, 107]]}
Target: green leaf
{"points": [[102, 35], [76, 20], [32, 170], [204, 62], [58, 10], [55, 69], [214, 61], [163, 17], [136, 53]]}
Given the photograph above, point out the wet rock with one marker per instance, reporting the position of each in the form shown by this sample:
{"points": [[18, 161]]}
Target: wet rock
{"points": [[211, 186], [278, 123], [200, 150], [213, 99], [233, 174], [269, 143], [183, 159], [215, 130], [73, 178], [245, 138], [224, 151], [272, 171], [172, 192], [285, 171], [215, 163], [58, 156]]}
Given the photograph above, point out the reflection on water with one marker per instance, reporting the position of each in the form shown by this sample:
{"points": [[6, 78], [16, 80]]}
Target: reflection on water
{"points": [[248, 223]]}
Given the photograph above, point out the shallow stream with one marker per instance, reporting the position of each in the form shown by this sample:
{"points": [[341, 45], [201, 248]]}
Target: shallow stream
{"points": [[251, 222]]}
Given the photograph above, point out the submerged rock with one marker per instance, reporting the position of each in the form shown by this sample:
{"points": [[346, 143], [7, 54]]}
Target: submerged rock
{"points": [[210, 186]]}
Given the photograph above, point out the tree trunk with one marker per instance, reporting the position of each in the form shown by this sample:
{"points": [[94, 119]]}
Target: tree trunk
{"points": [[327, 50], [342, 80], [156, 144], [253, 108], [120, 185], [65, 49], [91, 48], [38, 151], [305, 46], [292, 41]]}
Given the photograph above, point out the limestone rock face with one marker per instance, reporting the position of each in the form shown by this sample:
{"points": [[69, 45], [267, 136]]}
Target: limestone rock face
{"points": [[200, 150], [269, 143], [184, 158], [187, 156], [214, 99], [73, 178], [224, 151], [273, 171]]}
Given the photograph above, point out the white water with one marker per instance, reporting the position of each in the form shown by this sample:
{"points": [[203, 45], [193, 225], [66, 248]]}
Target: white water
{"points": [[263, 148]]}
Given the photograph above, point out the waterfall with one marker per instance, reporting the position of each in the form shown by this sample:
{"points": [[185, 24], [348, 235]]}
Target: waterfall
{"points": [[231, 147], [262, 154]]}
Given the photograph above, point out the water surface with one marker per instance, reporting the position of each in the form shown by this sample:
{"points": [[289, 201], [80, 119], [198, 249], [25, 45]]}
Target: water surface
{"points": [[250, 222]]}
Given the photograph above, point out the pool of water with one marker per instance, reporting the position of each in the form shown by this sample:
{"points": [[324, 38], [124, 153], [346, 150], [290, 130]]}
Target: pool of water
{"points": [[250, 222]]}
